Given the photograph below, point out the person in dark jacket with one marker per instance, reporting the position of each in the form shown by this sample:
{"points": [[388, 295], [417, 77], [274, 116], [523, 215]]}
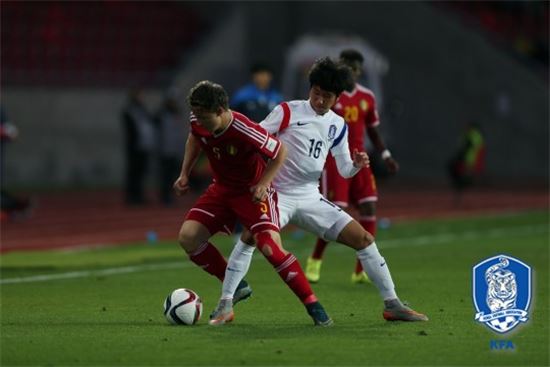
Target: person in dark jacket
{"points": [[139, 136]]}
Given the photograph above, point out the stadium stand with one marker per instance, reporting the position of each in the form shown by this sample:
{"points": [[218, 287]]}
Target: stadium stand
{"points": [[100, 43], [521, 25]]}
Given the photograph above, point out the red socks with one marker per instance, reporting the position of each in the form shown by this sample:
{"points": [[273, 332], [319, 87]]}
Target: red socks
{"points": [[287, 267], [210, 260], [319, 249], [369, 223]]}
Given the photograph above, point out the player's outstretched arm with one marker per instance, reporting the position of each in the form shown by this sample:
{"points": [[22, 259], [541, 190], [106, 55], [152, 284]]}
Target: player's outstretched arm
{"points": [[273, 166], [376, 138], [192, 150]]}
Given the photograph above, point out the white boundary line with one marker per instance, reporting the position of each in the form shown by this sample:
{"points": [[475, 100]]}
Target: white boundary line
{"points": [[465, 236], [385, 244], [91, 273]]}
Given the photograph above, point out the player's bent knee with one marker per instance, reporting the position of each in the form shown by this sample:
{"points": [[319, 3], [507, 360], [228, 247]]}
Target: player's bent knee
{"points": [[269, 243], [363, 240], [192, 234], [367, 238], [186, 241], [355, 236]]}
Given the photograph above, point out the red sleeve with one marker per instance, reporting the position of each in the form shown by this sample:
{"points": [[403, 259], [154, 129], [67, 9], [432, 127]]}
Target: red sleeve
{"points": [[257, 136], [286, 117]]}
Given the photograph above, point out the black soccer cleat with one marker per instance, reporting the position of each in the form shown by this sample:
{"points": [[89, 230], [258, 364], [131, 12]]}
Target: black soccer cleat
{"points": [[318, 314], [243, 292]]}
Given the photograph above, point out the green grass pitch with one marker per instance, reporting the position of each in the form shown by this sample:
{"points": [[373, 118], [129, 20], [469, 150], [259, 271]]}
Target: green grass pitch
{"points": [[103, 306]]}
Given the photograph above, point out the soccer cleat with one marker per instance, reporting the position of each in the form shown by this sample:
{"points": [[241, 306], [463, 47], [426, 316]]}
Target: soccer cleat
{"points": [[243, 292], [313, 269], [318, 314], [222, 314], [394, 310], [360, 278]]}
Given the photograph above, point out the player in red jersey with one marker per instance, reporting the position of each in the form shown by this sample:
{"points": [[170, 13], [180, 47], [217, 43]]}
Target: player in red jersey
{"points": [[358, 108], [236, 149]]}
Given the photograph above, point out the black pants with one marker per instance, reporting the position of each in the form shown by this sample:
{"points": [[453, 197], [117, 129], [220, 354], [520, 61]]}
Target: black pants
{"points": [[136, 169], [169, 171], [459, 178]]}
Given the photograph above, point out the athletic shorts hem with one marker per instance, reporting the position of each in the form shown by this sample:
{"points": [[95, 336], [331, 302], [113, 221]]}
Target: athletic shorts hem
{"points": [[333, 232], [208, 220]]}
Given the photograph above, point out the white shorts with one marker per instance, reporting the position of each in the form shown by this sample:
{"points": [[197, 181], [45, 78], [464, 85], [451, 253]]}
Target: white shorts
{"points": [[312, 213]]}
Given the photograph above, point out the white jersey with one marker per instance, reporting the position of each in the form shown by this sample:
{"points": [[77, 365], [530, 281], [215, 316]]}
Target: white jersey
{"points": [[308, 138]]}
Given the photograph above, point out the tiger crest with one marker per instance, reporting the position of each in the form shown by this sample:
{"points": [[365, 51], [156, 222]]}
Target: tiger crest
{"points": [[501, 287], [501, 290]]}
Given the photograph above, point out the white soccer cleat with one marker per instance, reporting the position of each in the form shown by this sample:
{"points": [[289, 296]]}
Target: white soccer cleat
{"points": [[223, 313]]}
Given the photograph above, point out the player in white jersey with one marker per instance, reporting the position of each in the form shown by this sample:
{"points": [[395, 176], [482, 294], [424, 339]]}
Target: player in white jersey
{"points": [[309, 130], [312, 136]]}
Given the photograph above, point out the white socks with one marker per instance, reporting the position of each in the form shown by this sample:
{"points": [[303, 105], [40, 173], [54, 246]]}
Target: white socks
{"points": [[237, 267], [374, 264], [376, 268]]}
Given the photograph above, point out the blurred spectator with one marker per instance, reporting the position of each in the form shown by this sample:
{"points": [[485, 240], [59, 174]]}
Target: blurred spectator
{"points": [[172, 131], [469, 161], [258, 98], [10, 205], [139, 136]]}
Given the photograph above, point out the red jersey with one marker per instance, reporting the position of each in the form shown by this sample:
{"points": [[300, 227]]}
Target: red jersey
{"points": [[236, 154], [358, 109]]}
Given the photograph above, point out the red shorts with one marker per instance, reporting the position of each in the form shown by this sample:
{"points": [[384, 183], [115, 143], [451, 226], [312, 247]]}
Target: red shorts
{"points": [[218, 209], [341, 191]]}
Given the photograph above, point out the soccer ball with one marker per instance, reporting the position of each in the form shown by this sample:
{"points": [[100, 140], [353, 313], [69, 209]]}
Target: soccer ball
{"points": [[183, 307]]}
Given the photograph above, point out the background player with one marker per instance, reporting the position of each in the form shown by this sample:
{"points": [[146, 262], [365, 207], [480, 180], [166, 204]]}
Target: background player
{"points": [[310, 130], [236, 149], [257, 98], [468, 162], [358, 108]]}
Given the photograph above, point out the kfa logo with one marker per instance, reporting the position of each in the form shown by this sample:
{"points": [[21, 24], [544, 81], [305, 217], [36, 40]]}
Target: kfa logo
{"points": [[331, 132], [501, 292]]}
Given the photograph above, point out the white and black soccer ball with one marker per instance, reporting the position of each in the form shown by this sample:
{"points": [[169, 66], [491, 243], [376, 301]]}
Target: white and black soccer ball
{"points": [[183, 307]]}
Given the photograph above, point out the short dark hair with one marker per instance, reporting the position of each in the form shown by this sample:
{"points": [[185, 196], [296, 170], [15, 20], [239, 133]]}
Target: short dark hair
{"points": [[331, 76], [351, 55], [209, 96], [260, 67]]}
